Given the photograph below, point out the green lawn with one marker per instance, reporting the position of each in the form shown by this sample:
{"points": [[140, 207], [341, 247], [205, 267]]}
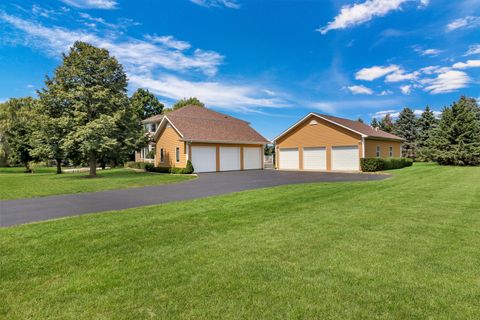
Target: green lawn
{"points": [[15, 184], [404, 248]]}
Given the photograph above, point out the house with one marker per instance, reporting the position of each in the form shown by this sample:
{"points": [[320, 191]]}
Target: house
{"points": [[212, 141], [322, 142]]}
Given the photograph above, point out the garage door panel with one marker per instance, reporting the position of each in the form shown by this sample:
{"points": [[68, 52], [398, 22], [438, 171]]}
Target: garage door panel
{"points": [[252, 158], [289, 158], [345, 158], [204, 158], [229, 158], [315, 158]]}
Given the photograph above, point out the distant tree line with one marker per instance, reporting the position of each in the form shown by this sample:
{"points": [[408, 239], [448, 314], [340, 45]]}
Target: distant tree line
{"points": [[82, 116], [453, 138]]}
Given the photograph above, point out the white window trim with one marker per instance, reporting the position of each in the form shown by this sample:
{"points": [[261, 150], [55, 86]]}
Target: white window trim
{"points": [[378, 151]]}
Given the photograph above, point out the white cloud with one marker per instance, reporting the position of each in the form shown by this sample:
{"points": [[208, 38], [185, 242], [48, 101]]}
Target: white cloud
{"points": [[135, 54], [385, 93], [446, 82], [430, 52], [406, 89], [170, 42], [234, 97], [468, 22], [466, 65], [232, 4], [375, 72], [360, 89], [383, 113], [400, 75], [472, 50], [358, 13], [92, 4]]}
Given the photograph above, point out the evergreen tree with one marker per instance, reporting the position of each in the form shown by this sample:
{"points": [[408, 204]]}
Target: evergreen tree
{"points": [[456, 140], [146, 103], [406, 127], [93, 87], [374, 123], [426, 125], [386, 124], [360, 120]]}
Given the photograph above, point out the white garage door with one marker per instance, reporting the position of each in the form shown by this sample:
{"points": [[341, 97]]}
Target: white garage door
{"points": [[315, 158], [204, 158], [289, 158], [345, 158], [252, 158], [229, 158]]}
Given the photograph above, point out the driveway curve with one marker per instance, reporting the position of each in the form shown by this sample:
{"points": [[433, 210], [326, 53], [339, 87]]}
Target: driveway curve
{"points": [[13, 212]]}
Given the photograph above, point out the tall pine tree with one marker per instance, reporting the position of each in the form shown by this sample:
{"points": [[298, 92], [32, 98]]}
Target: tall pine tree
{"points": [[374, 123], [386, 124], [426, 125], [406, 127], [456, 141]]}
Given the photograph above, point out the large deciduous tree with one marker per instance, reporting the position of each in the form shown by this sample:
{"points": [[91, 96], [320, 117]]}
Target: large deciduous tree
{"points": [[93, 86], [17, 123], [406, 127], [146, 103], [456, 140]]}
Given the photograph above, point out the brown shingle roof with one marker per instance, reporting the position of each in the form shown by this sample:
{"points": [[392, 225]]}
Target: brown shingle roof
{"points": [[361, 128], [202, 124]]}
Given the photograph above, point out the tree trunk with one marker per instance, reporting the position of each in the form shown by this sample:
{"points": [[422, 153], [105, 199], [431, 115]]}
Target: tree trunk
{"points": [[59, 165], [27, 168], [103, 165], [93, 164]]}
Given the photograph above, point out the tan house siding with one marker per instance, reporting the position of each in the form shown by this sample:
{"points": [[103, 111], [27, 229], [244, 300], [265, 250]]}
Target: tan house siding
{"points": [[169, 140], [371, 148], [322, 134]]}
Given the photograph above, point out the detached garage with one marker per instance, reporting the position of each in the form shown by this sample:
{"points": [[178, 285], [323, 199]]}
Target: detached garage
{"points": [[325, 143], [212, 141]]}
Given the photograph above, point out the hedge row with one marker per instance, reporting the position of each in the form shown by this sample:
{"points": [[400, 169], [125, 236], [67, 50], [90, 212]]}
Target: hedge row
{"points": [[379, 164], [187, 170]]}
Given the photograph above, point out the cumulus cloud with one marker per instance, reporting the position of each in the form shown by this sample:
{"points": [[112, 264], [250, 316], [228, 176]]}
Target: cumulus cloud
{"points": [[446, 82], [92, 4], [406, 89], [467, 22], [472, 50], [358, 13], [375, 72], [400, 75], [232, 4], [359, 89], [466, 65]]}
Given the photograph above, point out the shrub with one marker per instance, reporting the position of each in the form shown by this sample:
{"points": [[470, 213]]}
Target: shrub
{"points": [[379, 164], [136, 165], [187, 170], [372, 164]]}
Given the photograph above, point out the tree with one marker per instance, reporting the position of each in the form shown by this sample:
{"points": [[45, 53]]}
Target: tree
{"points": [[360, 120], [456, 140], [146, 103], [374, 123], [406, 127], [17, 122], [386, 124], [426, 125], [187, 102], [93, 86]]}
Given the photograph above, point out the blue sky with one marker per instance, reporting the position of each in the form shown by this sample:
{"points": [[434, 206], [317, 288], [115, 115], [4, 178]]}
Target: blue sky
{"points": [[269, 62]]}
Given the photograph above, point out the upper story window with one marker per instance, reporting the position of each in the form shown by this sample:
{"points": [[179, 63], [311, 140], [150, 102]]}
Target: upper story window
{"points": [[177, 154], [391, 151], [153, 127], [377, 152], [161, 155]]}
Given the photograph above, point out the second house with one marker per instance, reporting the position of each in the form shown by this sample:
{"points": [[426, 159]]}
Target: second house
{"points": [[212, 141]]}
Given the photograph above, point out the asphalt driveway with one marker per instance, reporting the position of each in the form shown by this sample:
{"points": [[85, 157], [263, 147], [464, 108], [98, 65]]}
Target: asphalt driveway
{"points": [[13, 212]]}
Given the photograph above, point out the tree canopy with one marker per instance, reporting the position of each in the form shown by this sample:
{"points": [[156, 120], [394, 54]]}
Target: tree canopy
{"points": [[187, 102], [146, 103], [406, 127], [386, 124]]}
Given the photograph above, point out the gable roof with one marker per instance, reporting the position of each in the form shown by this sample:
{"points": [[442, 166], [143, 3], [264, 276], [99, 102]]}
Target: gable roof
{"points": [[200, 124], [362, 129]]}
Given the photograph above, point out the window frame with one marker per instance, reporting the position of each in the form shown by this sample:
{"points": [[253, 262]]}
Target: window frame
{"points": [[390, 151], [177, 154], [378, 151], [162, 157]]}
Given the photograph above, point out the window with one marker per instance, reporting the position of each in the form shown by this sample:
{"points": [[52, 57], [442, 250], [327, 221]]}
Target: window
{"points": [[177, 154], [391, 151], [378, 152], [161, 155], [153, 127]]}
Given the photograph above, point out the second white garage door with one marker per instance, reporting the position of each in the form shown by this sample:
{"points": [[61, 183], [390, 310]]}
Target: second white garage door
{"points": [[204, 158], [345, 158], [229, 158], [315, 158], [289, 158], [252, 158]]}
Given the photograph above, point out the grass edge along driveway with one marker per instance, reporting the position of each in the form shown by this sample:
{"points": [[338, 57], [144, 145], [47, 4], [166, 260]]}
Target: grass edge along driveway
{"points": [[17, 185], [405, 247]]}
